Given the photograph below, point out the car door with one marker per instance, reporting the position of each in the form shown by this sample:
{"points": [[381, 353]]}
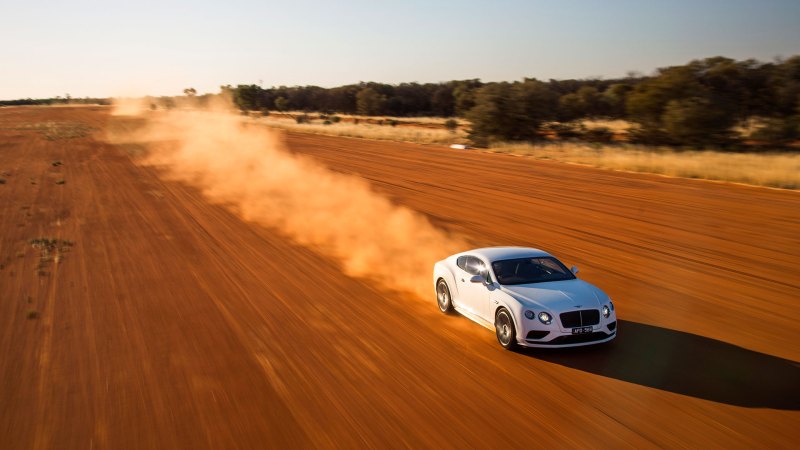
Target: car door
{"points": [[461, 279], [475, 295]]}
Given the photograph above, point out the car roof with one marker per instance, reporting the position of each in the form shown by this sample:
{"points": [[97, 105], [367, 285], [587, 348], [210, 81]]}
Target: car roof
{"points": [[499, 253]]}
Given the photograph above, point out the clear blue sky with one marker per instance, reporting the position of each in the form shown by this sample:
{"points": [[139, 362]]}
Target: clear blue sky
{"points": [[104, 48]]}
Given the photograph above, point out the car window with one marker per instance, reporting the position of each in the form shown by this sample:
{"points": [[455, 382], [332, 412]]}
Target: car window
{"points": [[475, 266], [530, 270], [461, 262]]}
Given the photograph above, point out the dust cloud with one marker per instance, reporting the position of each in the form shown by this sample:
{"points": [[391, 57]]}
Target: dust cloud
{"points": [[248, 168]]}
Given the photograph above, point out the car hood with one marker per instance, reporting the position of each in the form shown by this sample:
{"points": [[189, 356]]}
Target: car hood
{"points": [[558, 296]]}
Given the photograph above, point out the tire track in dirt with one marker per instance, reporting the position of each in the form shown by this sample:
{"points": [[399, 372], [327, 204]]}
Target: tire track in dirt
{"points": [[178, 325]]}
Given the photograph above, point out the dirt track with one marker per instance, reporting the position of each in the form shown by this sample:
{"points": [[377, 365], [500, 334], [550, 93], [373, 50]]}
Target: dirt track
{"points": [[171, 323]]}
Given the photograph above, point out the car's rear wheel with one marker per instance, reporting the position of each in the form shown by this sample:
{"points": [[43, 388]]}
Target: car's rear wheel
{"points": [[443, 298], [504, 329]]}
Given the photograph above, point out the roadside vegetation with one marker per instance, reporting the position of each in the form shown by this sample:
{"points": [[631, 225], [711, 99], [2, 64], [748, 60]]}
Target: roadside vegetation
{"points": [[697, 105], [714, 118], [391, 129], [57, 100], [779, 170], [607, 149]]}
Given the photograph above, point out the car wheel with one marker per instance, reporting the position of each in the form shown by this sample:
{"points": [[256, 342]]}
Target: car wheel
{"points": [[443, 298], [504, 329]]}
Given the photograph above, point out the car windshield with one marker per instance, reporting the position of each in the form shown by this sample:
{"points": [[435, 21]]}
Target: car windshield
{"points": [[530, 270]]}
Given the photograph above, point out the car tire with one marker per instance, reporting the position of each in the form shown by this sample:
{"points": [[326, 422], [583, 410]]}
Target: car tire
{"points": [[443, 297], [504, 329]]}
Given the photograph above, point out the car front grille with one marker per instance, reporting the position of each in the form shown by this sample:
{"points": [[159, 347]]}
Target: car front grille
{"points": [[582, 318], [612, 326]]}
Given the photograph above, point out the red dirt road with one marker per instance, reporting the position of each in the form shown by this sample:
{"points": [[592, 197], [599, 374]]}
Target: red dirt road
{"points": [[171, 323]]}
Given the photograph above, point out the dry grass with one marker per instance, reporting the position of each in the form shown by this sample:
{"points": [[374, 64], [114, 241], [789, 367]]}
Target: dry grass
{"points": [[419, 135], [405, 120], [616, 126], [746, 129], [779, 170], [419, 120]]}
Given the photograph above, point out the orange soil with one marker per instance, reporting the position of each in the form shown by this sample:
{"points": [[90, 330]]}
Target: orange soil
{"points": [[172, 323]]}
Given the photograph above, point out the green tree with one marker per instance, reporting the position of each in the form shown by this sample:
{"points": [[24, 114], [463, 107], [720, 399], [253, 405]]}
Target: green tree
{"points": [[443, 102], [281, 104], [696, 121], [591, 101], [535, 103], [248, 97], [493, 117], [615, 97], [369, 102], [510, 112], [570, 107], [649, 99], [779, 130], [464, 96], [695, 104]]}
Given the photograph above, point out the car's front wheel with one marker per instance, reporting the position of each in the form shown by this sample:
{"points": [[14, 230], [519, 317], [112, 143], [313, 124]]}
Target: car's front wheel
{"points": [[443, 298], [504, 329]]}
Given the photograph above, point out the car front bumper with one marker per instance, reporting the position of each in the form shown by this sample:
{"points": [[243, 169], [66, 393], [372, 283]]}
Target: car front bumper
{"points": [[561, 338]]}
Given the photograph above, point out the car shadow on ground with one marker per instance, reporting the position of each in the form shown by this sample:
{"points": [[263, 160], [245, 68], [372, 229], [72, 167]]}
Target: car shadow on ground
{"points": [[686, 364]]}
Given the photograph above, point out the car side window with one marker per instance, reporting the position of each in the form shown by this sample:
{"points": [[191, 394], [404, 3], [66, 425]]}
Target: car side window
{"points": [[474, 266], [461, 262]]}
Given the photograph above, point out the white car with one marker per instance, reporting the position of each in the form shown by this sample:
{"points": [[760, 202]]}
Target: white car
{"points": [[526, 295]]}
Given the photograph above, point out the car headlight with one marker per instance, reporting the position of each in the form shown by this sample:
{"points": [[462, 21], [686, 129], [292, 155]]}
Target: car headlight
{"points": [[545, 318], [530, 314], [606, 311]]}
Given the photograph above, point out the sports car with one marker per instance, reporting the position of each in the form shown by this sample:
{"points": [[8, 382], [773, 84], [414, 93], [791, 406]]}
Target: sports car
{"points": [[526, 295]]}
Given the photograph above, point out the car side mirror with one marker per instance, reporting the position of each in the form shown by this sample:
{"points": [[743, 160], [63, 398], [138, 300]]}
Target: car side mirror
{"points": [[574, 270], [477, 279]]}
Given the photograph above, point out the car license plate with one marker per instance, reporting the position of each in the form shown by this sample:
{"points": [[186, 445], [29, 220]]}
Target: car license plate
{"points": [[581, 330]]}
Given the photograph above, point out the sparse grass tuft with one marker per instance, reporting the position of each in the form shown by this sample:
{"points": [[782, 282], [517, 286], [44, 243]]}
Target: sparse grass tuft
{"points": [[50, 249], [56, 163], [61, 181], [2, 181], [32, 314], [615, 126]]}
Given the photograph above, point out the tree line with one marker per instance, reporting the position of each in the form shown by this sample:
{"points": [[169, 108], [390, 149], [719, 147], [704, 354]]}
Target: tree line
{"points": [[695, 104], [698, 103], [58, 100]]}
